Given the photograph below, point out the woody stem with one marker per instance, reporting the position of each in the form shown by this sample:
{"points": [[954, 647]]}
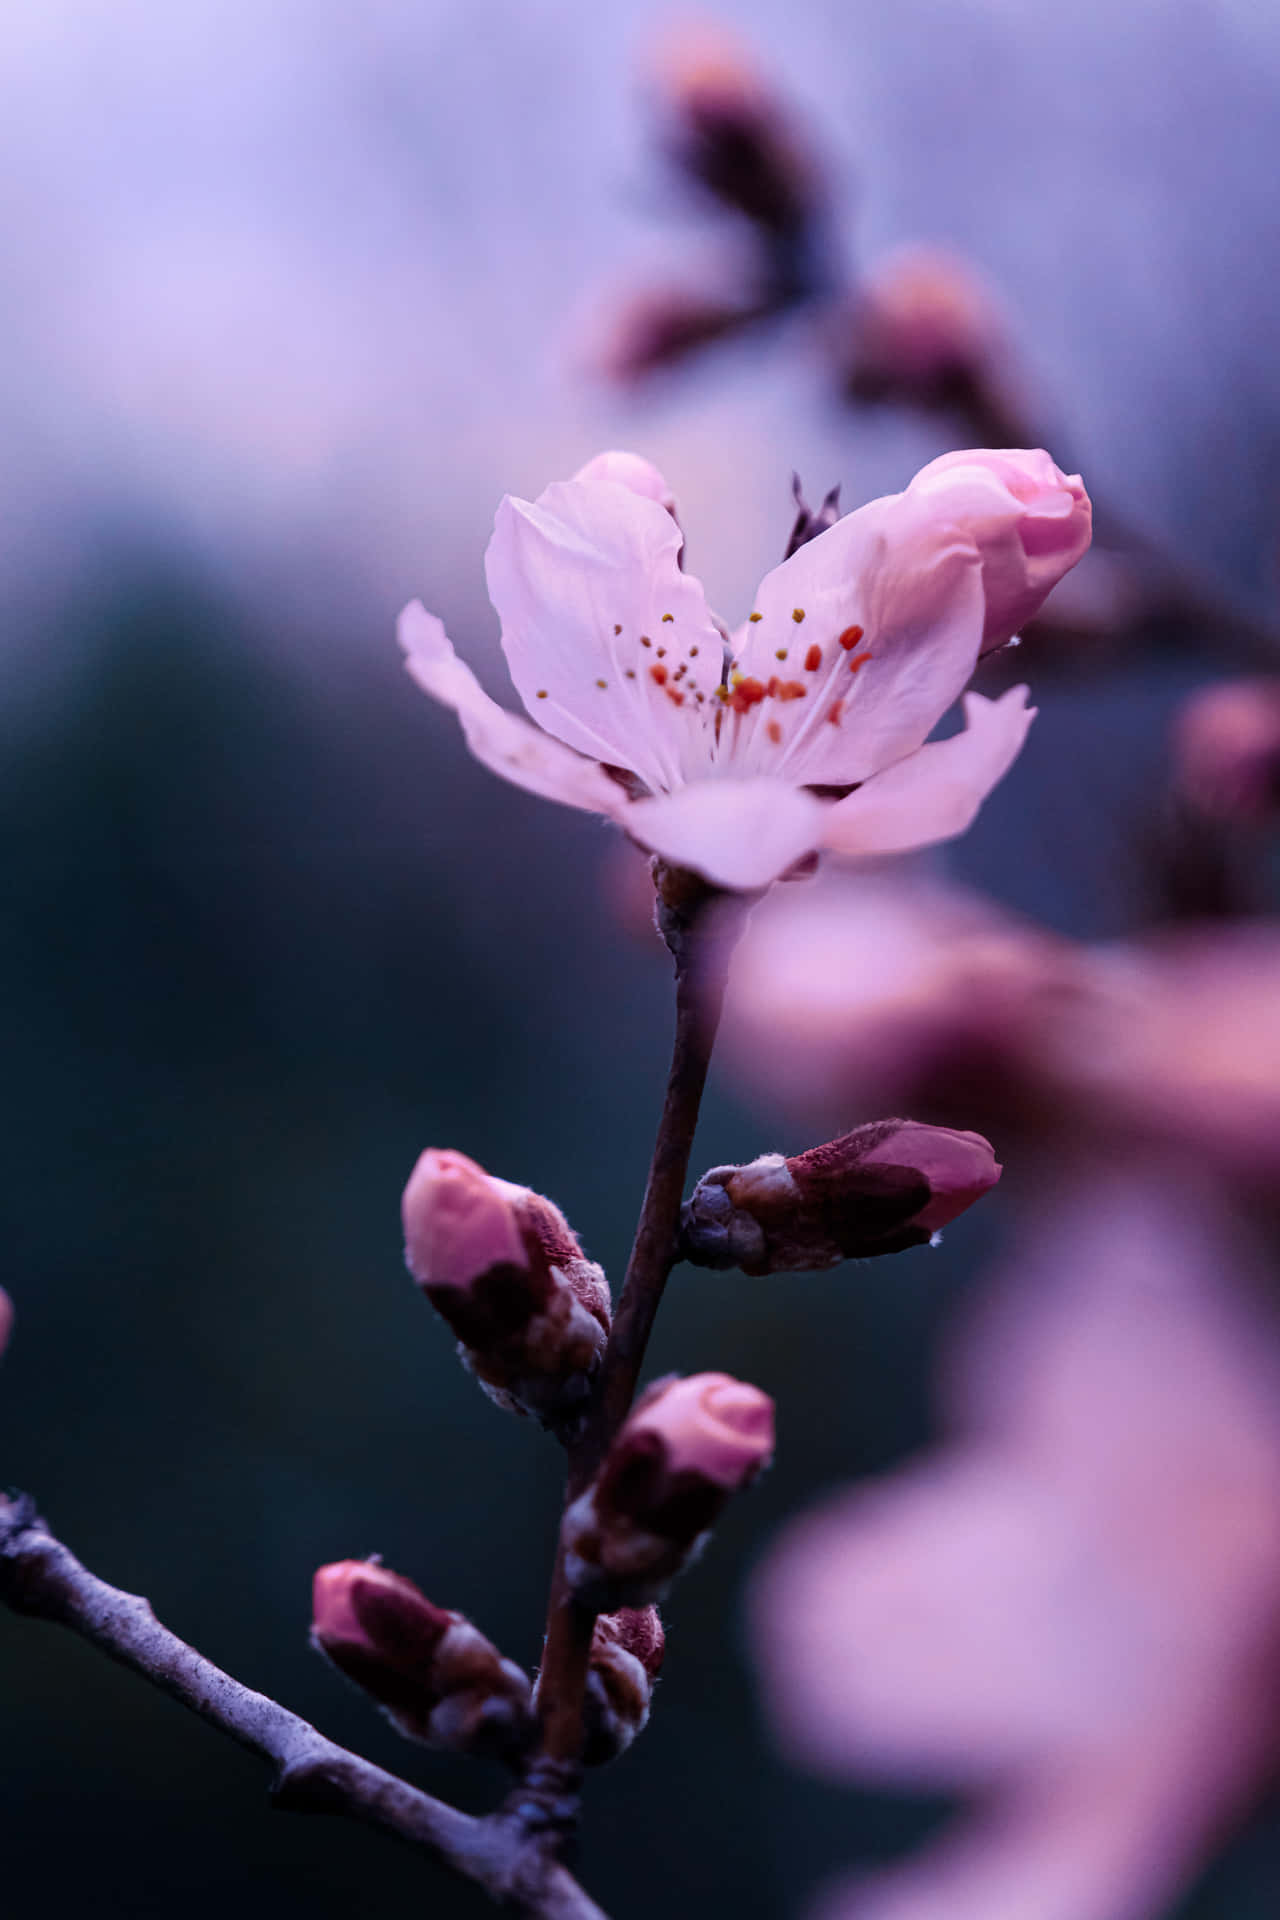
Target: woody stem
{"points": [[701, 928]]}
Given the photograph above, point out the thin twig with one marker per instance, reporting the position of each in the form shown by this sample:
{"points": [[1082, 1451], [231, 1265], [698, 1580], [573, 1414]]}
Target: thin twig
{"points": [[700, 927], [41, 1577]]}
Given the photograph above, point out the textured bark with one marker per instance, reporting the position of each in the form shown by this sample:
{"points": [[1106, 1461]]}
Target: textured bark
{"points": [[42, 1578]]}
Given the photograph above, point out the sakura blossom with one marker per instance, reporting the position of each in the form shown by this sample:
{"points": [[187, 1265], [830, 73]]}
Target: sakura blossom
{"points": [[1072, 1610], [808, 728]]}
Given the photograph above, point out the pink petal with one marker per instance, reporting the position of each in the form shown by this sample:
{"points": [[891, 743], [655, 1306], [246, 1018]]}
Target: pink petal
{"points": [[1112, 1839], [630, 470], [610, 645], [1031, 522], [934, 794], [942, 1627], [892, 606], [738, 833], [505, 742]]}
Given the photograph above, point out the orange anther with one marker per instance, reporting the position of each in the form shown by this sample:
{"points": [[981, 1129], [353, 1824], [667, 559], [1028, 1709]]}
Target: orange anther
{"points": [[850, 638], [813, 659]]}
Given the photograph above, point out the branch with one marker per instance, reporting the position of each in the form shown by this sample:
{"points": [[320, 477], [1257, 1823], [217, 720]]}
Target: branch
{"points": [[700, 926], [42, 1578]]}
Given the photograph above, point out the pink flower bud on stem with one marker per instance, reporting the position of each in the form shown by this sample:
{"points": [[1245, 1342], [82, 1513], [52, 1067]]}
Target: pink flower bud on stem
{"points": [[6, 1319], [882, 1188], [434, 1675], [926, 331], [687, 1445], [626, 1658], [502, 1266], [728, 130]]}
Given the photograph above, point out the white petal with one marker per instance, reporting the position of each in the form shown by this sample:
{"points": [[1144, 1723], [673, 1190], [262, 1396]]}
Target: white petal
{"points": [[738, 833], [505, 742], [610, 645], [934, 794], [892, 620]]}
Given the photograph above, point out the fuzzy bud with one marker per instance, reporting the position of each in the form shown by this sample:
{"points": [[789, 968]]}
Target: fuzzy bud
{"points": [[502, 1266], [728, 130], [626, 1658], [882, 1188], [1227, 752], [687, 1445], [435, 1675]]}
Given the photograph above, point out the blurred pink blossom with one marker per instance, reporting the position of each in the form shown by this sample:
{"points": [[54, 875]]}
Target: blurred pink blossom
{"points": [[1073, 1611], [719, 754], [922, 997]]}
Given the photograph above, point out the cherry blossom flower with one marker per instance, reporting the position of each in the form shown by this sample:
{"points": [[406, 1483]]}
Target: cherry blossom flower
{"points": [[808, 729], [1074, 1610]]}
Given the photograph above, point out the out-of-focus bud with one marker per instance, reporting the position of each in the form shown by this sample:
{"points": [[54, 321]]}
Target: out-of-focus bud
{"points": [[502, 1266], [687, 1445], [645, 331], [437, 1678], [884, 1187], [6, 1319], [1031, 523], [626, 1659], [726, 128], [1226, 748], [925, 329]]}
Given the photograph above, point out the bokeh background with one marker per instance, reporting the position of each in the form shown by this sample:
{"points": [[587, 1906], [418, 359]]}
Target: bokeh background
{"points": [[292, 292]]}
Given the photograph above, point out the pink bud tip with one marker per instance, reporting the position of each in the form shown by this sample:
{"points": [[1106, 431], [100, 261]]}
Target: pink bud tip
{"points": [[458, 1222], [639, 1632], [958, 1168], [629, 470], [701, 68], [6, 1319], [1030, 521], [358, 1606], [711, 1425]]}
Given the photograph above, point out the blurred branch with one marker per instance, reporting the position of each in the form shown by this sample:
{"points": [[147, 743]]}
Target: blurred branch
{"points": [[42, 1578]]}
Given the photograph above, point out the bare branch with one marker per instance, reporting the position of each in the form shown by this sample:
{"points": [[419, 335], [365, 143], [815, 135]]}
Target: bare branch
{"points": [[41, 1577]]}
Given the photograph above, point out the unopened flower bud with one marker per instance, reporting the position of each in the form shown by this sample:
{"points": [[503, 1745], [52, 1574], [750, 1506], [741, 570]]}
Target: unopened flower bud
{"points": [[1030, 522], [687, 1445], [727, 128], [626, 1658], [502, 1266], [924, 329], [884, 1187], [6, 1319], [435, 1675], [1227, 752], [632, 471]]}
